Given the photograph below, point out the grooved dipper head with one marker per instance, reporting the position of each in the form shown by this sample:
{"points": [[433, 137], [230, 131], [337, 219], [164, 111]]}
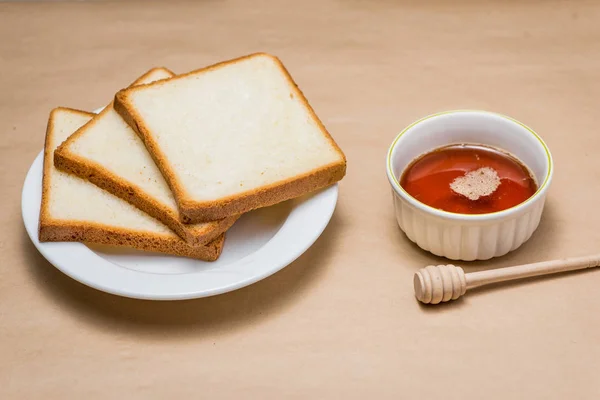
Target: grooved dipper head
{"points": [[439, 283]]}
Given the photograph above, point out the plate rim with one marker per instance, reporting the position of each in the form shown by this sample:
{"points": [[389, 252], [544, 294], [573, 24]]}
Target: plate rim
{"points": [[322, 203]]}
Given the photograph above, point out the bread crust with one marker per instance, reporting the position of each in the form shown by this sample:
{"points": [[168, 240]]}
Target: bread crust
{"points": [[67, 161], [72, 231], [50, 229], [265, 196], [192, 211]]}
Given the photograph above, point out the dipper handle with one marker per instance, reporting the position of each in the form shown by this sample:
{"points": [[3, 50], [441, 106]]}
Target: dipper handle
{"points": [[441, 283]]}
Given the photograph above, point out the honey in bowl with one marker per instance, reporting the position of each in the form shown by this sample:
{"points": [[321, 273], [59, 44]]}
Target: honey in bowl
{"points": [[468, 179]]}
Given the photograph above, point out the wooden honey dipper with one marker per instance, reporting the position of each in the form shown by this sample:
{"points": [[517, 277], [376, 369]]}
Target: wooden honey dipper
{"points": [[440, 283]]}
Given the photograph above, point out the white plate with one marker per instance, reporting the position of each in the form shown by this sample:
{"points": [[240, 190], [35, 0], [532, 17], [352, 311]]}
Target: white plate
{"points": [[259, 244]]}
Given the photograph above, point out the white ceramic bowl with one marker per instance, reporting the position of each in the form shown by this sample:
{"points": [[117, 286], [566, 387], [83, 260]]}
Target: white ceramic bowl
{"points": [[462, 236]]}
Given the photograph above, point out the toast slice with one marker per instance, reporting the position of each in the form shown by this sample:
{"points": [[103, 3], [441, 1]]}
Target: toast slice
{"points": [[232, 137], [74, 209], [108, 153]]}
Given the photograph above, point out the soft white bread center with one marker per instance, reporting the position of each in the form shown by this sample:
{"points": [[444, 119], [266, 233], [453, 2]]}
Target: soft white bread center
{"points": [[114, 145]]}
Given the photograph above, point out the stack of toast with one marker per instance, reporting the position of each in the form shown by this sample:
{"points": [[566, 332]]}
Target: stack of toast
{"points": [[174, 160]]}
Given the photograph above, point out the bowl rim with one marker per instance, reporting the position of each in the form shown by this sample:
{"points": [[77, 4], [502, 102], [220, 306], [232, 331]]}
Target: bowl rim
{"points": [[540, 192]]}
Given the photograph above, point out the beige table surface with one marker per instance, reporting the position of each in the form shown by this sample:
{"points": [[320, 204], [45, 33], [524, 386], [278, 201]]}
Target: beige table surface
{"points": [[341, 322]]}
